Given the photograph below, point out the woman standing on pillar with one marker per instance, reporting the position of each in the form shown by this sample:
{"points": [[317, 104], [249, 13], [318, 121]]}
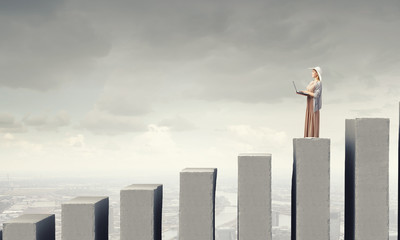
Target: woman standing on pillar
{"points": [[314, 104]]}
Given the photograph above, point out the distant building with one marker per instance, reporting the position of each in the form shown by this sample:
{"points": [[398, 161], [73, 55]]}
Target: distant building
{"points": [[111, 220], [225, 234], [281, 233], [275, 219], [335, 225], [392, 235]]}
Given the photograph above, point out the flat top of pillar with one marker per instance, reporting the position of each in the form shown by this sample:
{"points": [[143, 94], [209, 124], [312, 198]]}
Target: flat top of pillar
{"points": [[211, 170], [29, 218], [311, 139], [255, 154], [86, 199], [361, 119], [142, 187], [372, 118]]}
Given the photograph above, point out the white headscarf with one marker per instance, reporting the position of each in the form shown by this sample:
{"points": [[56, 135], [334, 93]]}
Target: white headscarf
{"points": [[319, 71]]}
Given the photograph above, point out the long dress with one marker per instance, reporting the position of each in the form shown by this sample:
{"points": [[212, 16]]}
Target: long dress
{"points": [[311, 126]]}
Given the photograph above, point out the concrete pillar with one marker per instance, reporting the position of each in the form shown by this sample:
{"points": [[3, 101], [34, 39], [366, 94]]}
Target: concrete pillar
{"points": [[85, 218], [141, 210], [197, 204], [311, 189], [30, 227], [367, 179], [254, 220]]}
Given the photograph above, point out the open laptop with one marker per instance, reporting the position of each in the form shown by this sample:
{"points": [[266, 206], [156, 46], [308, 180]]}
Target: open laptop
{"points": [[299, 92]]}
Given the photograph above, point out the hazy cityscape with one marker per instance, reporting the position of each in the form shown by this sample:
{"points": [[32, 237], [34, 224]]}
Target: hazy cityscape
{"points": [[39, 195]]}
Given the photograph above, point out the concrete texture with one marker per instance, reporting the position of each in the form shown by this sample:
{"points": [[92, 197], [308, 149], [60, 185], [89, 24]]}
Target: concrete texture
{"points": [[311, 189], [85, 218], [367, 179], [254, 219], [30, 227], [197, 204], [141, 210]]}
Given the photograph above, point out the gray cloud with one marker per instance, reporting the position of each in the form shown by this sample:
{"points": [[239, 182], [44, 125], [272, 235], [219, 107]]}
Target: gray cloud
{"points": [[35, 120], [125, 101], [44, 122], [42, 48], [226, 50], [8, 124], [177, 123], [23, 7], [250, 52], [99, 122]]}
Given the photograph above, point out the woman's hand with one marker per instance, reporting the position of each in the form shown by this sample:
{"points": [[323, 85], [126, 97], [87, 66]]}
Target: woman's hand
{"points": [[309, 93]]}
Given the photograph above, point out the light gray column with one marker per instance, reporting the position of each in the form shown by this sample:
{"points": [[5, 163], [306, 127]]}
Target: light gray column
{"points": [[141, 210], [85, 218], [310, 189], [197, 204], [30, 227], [254, 197], [367, 179]]}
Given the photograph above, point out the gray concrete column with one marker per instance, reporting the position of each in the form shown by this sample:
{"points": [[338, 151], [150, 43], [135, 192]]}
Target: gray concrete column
{"points": [[197, 204], [141, 210], [85, 218], [311, 189], [30, 227], [367, 179], [254, 220]]}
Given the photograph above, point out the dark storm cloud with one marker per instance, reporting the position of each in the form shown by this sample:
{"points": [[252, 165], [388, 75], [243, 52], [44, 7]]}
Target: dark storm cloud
{"points": [[213, 50], [43, 44], [241, 50], [24, 7]]}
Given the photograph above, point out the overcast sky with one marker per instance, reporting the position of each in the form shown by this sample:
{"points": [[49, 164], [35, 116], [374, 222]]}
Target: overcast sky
{"points": [[151, 87]]}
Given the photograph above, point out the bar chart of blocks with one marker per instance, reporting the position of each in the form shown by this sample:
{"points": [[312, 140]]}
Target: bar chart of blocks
{"points": [[366, 197]]}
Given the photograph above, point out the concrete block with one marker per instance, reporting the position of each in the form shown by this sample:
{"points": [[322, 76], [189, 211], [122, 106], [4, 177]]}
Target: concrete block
{"points": [[197, 204], [254, 220], [85, 218], [367, 179], [30, 227], [311, 189], [141, 211]]}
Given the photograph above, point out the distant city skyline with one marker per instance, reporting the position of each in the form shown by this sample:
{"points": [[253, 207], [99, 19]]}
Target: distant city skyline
{"points": [[36, 196]]}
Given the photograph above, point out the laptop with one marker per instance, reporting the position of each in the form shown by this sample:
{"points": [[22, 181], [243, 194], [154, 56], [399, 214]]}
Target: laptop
{"points": [[299, 92]]}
